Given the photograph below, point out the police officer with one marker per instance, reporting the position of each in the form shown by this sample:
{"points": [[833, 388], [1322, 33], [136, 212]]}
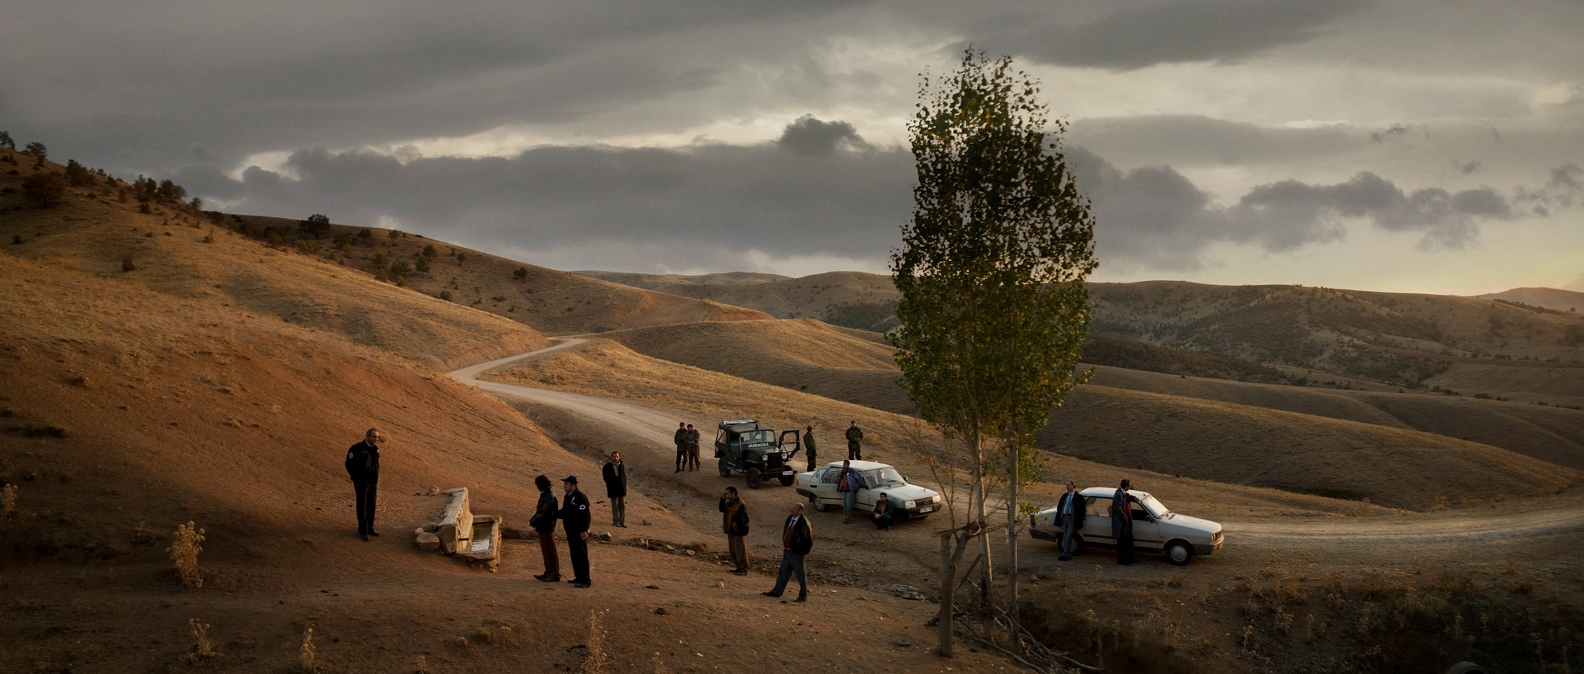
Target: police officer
{"points": [[575, 518], [362, 465], [854, 442], [808, 444]]}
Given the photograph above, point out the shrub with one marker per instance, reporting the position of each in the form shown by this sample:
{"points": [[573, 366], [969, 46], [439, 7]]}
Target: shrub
{"points": [[429, 251], [305, 654], [597, 657], [8, 500], [77, 174], [461, 257], [143, 207], [170, 191], [184, 549], [315, 225], [37, 150], [209, 238], [521, 273], [394, 234], [196, 203], [6, 141], [126, 263], [202, 649], [365, 234], [401, 281], [423, 264], [380, 260], [400, 267], [445, 295], [44, 189], [381, 276]]}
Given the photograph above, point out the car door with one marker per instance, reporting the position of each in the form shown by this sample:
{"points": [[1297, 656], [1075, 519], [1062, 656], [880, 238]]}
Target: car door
{"points": [[1146, 531], [1097, 521], [866, 495], [825, 484]]}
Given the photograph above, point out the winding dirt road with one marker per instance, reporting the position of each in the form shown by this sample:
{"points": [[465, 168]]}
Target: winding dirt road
{"points": [[655, 427]]}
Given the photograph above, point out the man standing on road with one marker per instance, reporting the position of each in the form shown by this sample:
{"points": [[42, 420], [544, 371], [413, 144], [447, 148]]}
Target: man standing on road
{"points": [[615, 474], [848, 484], [543, 522], [734, 521], [691, 440], [362, 465], [854, 442], [1071, 510], [1122, 522], [797, 538], [574, 516], [681, 444], [808, 444]]}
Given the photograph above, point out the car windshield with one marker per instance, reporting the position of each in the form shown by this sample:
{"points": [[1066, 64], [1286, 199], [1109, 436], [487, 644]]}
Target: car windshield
{"points": [[755, 437], [881, 478], [1154, 507]]}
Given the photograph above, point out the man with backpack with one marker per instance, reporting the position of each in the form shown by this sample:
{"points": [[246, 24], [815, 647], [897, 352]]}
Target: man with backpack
{"points": [[362, 465], [734, 521]]}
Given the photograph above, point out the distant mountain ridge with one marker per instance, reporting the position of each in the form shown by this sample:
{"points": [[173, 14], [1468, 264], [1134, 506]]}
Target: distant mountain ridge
{"points": [[1547, 298]]}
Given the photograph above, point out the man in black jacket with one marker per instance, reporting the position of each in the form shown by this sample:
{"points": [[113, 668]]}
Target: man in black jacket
{"points": [[1070, 511], [1122, 522], [575, 518], [681, 445], [362, 464], [797, 539], [734, 522], [615, 474], [543, 522]]}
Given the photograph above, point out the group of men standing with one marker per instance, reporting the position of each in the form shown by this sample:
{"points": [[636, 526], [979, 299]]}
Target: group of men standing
{"points": [[797, 539], [687, 447], [1070, 508]]}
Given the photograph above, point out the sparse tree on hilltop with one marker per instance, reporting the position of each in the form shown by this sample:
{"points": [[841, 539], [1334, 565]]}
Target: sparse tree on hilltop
{"points": [[366, 235], [77, 174], [430, 252], [316, 225], [44, 189], [38, 151], [6, 141], [993, 309], [521, 273]]}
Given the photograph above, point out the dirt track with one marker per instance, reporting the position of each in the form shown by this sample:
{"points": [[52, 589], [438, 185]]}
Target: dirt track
{"points": [[656, 428]]}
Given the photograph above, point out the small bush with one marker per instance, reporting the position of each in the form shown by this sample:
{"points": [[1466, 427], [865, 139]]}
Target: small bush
{"points": [[423, 265], [400, 267], [445, 295], [461, 257], [401, 281], [381, 276], [316, 225], [521, 273], [365, 234], [597, 658], [185, 545], [7, 501], [44, 189], [394, 234], [380, 260], [429, 251], [202, 649], [305, 653], [126, 263], [144, 208]]}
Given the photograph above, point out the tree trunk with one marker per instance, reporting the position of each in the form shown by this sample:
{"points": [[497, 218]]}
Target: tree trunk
{"points": [[1013, 637], [948, 592], [986, 574]]}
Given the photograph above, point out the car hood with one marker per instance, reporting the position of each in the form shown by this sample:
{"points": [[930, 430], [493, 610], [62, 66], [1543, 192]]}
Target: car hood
{"points": [[910, 492], [1186, 524]]}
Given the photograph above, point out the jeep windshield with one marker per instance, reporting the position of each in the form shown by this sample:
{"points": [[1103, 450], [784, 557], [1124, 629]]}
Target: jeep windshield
{"points": [[883, 478], [763, 436]]}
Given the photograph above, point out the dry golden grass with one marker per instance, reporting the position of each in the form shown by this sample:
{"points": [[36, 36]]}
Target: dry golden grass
{"points": [[306, 654], [202, 649], [8, 496], [778, 296]]}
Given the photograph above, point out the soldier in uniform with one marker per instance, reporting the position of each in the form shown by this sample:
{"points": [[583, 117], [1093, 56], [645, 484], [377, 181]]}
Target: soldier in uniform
{"points": [[692, 441], [1122, 522], [362, 465], [808, 444], [574, 516], [854, 442], [681, 445]]}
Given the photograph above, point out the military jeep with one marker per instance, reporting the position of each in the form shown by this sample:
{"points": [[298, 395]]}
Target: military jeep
{"points": [[744, 446]]}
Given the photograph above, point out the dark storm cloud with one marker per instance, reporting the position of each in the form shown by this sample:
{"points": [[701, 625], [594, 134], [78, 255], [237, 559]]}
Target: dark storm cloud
{"points": [[811, 136], [130, 88], [1197, 140], [757, 197], [1176, 32]]}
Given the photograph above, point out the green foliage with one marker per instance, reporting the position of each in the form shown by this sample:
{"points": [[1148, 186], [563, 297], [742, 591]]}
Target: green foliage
{"points": [[445, 295], [196, 203], [38, 151], [423, 264], [44, 189], [77, 174], [6, 141], [380, 260], [521, 273], [993, 308], [400, 267], [316, 225], [394, 234], [365, 234], [429, 251]]}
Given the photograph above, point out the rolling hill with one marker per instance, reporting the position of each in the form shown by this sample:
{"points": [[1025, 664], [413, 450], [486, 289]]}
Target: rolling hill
{"points": [[1554, 299]]}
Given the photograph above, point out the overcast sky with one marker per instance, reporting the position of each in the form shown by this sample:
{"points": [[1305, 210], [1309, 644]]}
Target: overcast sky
{"points": [[1406, 146]]}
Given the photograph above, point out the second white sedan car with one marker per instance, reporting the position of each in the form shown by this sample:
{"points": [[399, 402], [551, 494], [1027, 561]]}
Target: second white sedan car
{"points": [[1155, 529], [908, 501]]}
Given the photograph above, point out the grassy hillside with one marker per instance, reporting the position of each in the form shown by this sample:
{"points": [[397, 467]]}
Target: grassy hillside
{"points": [[849, 299], [1554, 299]]}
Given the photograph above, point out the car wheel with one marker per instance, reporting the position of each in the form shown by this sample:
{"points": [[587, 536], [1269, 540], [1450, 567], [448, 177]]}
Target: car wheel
{"points": [[1078, 543], [725, 470], [815, 505], [1179, 552], [786, 480], [754, 478]]}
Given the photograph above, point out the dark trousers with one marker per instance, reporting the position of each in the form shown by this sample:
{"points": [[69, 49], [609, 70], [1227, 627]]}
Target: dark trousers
{"points": [[883, 522], [790, 563], [547, 548], [1125, 547], [854, 452], [618, 511], [682, 457], [692, 456], [577, 549], [1069, 540], [811, 462], [739, 552], [366, 490]]}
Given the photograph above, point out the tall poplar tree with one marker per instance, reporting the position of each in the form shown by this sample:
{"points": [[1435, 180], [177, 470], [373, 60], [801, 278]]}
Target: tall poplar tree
{"points": [[993, 307]]}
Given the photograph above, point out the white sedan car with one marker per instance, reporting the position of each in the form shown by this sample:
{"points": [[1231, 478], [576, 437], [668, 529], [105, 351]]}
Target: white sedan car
{"points": [[908, 501], [1155, 529]]}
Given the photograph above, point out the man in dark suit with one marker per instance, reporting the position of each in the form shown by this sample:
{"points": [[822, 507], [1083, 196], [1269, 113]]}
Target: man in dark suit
{"points": [[362, 465], [1122, 522], [1071, 510], [797, 538], [574, 518], [615, 474]]}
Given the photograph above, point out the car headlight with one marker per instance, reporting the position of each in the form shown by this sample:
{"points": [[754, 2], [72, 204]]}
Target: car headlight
{"points": [[909, 505]]}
